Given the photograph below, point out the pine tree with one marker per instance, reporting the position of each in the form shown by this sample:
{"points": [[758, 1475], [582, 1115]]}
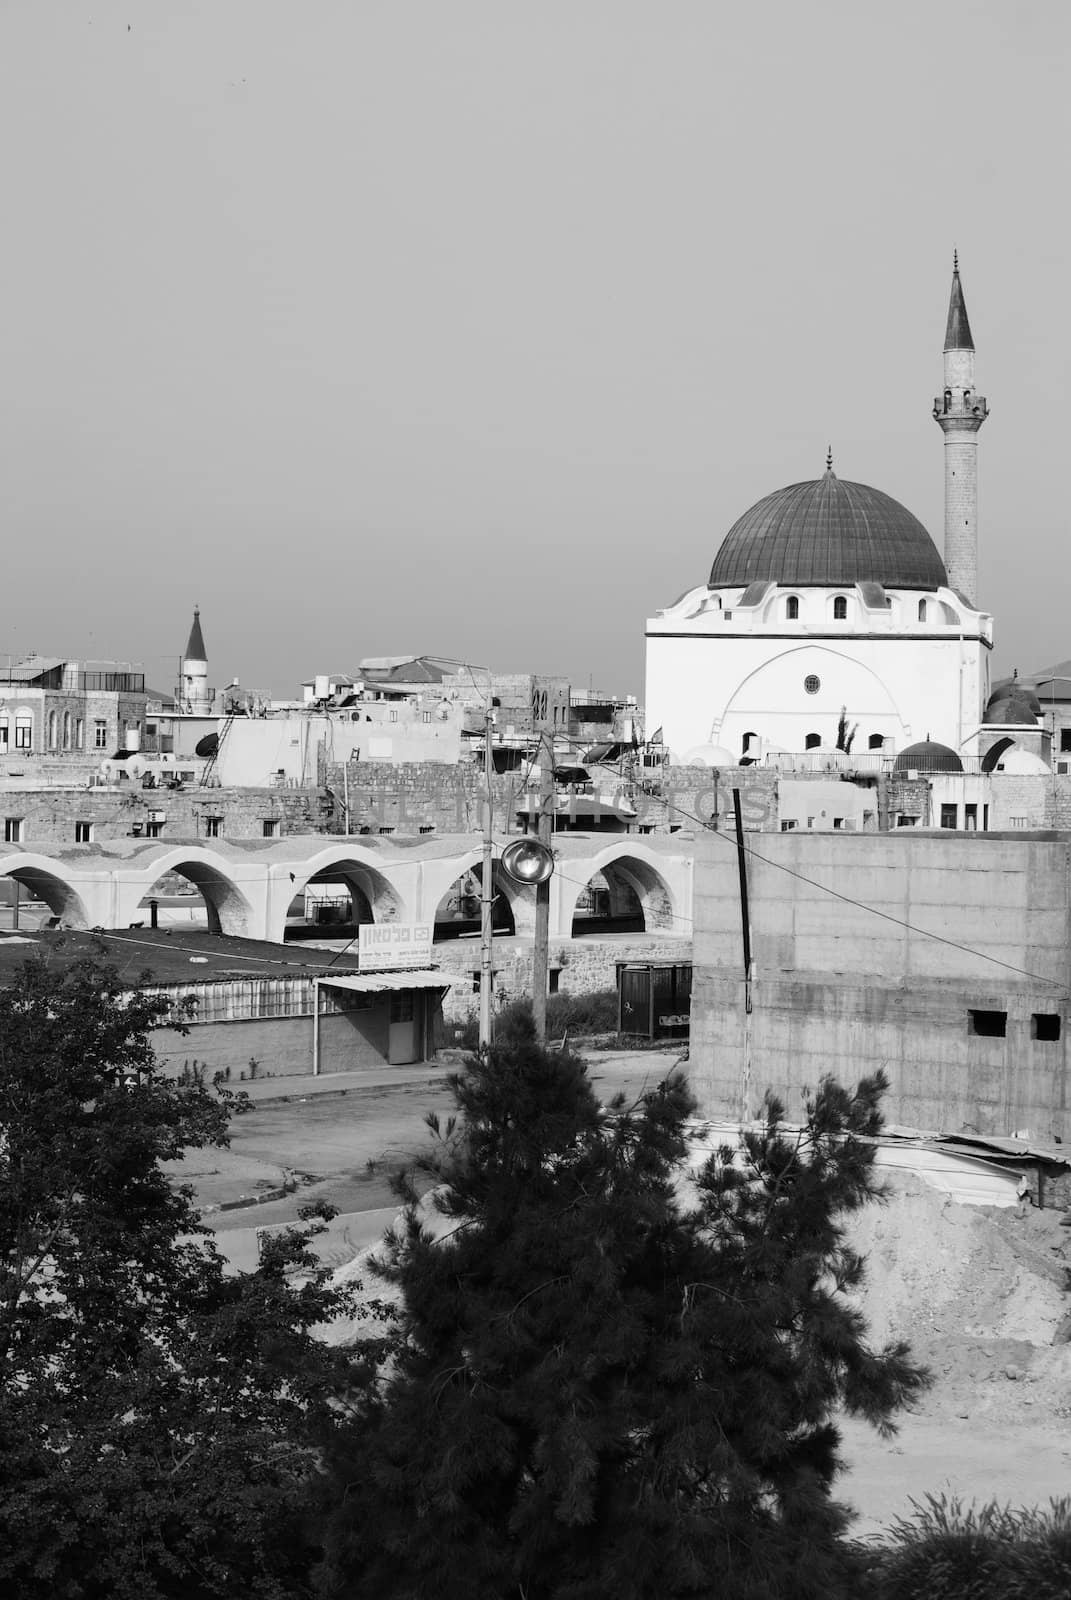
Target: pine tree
{"points": [[610, 1381], [157, 1414]]}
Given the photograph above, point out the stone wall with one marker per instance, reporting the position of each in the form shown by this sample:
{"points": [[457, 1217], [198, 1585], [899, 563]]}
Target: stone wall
{"points": [[49, 816], [584, 966]]}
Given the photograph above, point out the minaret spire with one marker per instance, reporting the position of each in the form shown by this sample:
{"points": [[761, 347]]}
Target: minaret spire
{"points": [[194, 694], [959, 413]]}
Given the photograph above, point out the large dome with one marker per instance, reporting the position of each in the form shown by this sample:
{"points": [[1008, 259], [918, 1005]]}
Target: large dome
{"points": [[829, 532]]}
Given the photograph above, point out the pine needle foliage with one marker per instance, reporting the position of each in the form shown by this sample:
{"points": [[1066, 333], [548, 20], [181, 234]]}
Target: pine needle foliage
{"points": [[157, 1414], [612, 1379]]}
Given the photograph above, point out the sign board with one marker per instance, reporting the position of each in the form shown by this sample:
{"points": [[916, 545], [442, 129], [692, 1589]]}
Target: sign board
{"points": [[397, 946]]}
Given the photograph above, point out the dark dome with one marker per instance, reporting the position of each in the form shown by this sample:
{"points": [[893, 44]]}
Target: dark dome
{"points": [[829, 531], [927, 756], [1013, 708]]}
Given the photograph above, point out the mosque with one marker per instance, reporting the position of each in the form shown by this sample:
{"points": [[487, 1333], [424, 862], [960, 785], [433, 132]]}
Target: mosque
{"points": [[830, 611]]}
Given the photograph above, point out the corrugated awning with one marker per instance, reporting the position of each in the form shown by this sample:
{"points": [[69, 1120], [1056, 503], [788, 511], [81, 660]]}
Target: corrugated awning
{"points": [[389, 982]]}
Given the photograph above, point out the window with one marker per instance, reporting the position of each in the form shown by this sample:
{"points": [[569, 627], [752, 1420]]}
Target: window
{"points": [[1045, 1025], [1017, 822], [154, 828], [970, 816], [386, 830], [23, 731], [1065, 739], [66, 730], [552, 980], [402, 1007], [53, 730], [840, 609], [269, 827], [427, 827], [811, 683], [792, 608], [904, 821], [394, 716], [876, 741], [83, 833], [12, 830], [922, 611], [788, 825], [100, 734], [950, 816], [425, 716], [988, 1024], [812, 741], [745, 743], [5, 735], [80, 733], [213, 827]]}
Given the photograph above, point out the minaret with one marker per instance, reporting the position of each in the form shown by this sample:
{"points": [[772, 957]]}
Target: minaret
{"points": [[960, 412], [194, 693]]}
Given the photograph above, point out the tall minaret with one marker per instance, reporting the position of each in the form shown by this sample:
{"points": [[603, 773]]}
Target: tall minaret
{"points": [[194, 692], [960, 411]]}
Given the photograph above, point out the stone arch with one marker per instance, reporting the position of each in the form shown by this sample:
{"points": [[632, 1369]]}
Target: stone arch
{"points": [[635, 870], [514, 909], [994, 753], [45, 882], [228, 909], [374, 894]]}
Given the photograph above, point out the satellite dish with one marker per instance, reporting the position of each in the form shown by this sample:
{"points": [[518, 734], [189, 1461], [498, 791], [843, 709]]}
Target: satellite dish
{"points": [[527, 861]]}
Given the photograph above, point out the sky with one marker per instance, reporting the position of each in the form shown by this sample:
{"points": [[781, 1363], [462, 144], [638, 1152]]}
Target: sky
{"points": [[470, 326]]}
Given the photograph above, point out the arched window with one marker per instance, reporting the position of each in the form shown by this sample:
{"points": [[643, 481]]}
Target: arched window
{"points": [[80, 733], [876, 741], [922, 611], [840, 609], [66, 730], [53, 730], [746, 742], [792, 608], [812, 741]]}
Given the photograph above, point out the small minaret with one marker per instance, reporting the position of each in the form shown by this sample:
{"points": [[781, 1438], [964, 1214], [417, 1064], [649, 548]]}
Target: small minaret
{"points": [[960, 412], [194, 692]]}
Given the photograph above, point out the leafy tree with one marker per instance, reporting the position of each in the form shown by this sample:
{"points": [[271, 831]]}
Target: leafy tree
{"points": [[610, 1381], [156, 1413]]}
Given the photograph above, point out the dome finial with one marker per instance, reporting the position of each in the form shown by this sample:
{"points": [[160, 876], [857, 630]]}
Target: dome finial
{"points": [[829, 458], [955, 259]]}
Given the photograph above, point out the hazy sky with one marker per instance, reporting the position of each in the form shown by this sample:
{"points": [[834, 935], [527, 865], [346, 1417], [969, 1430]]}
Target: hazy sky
{"points": [[472, 327]]}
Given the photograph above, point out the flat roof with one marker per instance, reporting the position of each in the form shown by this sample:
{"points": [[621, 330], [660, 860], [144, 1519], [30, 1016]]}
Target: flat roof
{"points": [[395, 982], [172, 956]]}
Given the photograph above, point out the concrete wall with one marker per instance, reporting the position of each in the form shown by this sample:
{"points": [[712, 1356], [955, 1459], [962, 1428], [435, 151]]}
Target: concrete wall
{"points": [[349, 1042], [841, 990]]}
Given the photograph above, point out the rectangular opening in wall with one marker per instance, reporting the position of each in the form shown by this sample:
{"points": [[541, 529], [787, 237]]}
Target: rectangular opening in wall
{"points": [[988, 1024], [949, 816], [1045, 1025], [83, 833]]}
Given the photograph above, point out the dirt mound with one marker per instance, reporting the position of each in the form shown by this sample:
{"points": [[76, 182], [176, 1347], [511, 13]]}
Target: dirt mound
{"points": [[981, 1295]]}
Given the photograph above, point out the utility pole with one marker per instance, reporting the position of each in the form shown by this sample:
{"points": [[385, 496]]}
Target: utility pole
{"points": [[749, 965], [487, 897], [541, 949]]}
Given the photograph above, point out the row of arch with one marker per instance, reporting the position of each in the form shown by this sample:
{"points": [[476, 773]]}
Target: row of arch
{"points": [[622, 888]]}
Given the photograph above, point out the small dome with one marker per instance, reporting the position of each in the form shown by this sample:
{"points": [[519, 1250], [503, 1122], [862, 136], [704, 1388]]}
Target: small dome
{"points": [[828, 532], [1015, 708], [1021, 763], [927, 756], [709, 755]]}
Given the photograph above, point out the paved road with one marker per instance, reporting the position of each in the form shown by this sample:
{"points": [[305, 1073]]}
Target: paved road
{"points": [[339, 1138]]}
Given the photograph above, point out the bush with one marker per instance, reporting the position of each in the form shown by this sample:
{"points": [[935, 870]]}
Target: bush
{"points": [[948, 1551], [574, 1014]]}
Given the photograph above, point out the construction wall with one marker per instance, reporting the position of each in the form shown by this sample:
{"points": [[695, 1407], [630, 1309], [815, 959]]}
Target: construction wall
{"points": [[851, 980]]}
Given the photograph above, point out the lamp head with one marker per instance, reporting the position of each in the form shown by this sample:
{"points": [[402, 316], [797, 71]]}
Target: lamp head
{"points": [[527, 860]]}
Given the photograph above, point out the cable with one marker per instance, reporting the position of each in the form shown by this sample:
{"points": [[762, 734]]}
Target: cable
{"points": [[863, 905]]}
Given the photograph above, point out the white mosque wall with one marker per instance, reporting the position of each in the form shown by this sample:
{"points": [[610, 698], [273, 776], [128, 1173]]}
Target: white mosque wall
{"points": [[711, 689]]}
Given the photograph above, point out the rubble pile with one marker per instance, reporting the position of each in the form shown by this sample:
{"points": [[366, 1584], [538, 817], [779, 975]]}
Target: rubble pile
{"points": [[980, 1293]]}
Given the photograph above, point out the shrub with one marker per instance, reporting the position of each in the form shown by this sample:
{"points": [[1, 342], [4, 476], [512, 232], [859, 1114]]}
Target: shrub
{"points": [[948, 1551]]}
